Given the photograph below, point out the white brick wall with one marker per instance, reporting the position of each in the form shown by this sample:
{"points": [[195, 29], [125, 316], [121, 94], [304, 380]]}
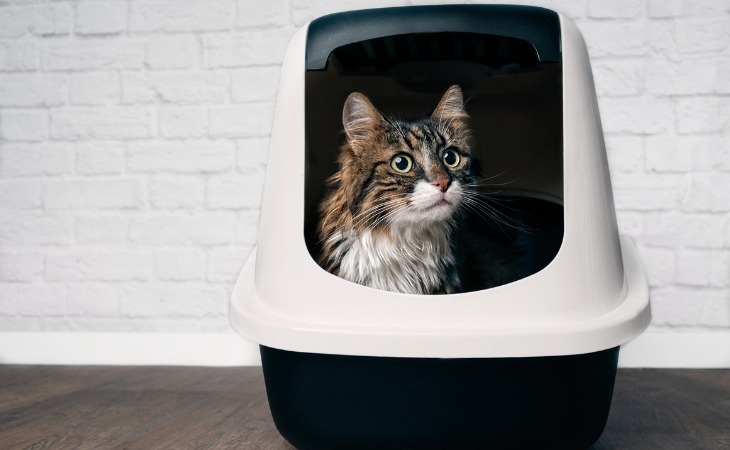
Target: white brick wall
{"points": [[134, 135]]}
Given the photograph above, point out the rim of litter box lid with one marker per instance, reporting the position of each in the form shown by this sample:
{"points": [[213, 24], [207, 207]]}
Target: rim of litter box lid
{"points": [[250, 318]]}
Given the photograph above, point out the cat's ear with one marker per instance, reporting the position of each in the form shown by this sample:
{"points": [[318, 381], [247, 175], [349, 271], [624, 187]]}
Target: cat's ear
{"points": [[360, 118], [451, 106]]}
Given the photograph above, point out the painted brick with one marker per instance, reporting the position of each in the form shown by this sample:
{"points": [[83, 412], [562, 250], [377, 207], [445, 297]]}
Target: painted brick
{"points": [[235, 192], [31, 299], [88, 324], [640, 192], [683, 153], [672, 306], [33, 89], [252, 153], [255, 84], [110, 122], [262, 14], [180, 265], [184, 157], [647, 200], [172, 300], [705, 34], [22, 266], [708, 192], [22, 323], [618, 79], [723, 79], [664, 8], [31, 159], [183, 122], [85, 300], [24, 124], [176, 193], [305, 10], [573, 9], [703, 268], [35, 228], [19, 55], [16, 20], [247, 227], [673, 229], [661, 38], [41, 19], [659, 264], [625, 153], [101, 18], [95, 88], [245, 48], [715, 309], [100, 158], [630, 223], [681, 78], [101, 229], [246, 120], [668, 154], [224, 264], [629, 115], [195, 15], [172, 52], [98, 265], [208, 228], [703, 114], [617, 9], [709, 152], [93, 54], [615, 38], [175, 87], [94, 194], [19, 194]]}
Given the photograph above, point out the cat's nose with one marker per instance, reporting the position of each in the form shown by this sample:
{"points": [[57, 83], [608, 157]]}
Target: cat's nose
{"points": [[442, 184]]}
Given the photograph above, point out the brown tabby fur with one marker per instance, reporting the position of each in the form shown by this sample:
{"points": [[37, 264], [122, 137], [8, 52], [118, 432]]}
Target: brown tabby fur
{"points": [[365, 182]]}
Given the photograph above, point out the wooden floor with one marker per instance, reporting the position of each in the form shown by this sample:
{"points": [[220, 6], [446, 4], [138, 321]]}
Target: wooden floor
{"points": [[170, 407]]}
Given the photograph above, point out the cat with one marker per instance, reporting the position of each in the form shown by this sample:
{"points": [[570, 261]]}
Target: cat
{"points": [[391, 220]]}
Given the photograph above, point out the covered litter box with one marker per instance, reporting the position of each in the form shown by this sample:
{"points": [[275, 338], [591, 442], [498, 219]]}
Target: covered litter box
{"points": [[528, 364]]}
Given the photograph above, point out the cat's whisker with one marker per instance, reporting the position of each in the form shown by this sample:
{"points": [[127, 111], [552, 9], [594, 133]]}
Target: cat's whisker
{"points": [[375, 217], [490, 218], [493, 176], [369, 213], [389, 214], [497, 215], [483, 182]]}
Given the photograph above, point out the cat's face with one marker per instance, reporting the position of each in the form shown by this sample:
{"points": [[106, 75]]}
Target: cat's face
{"points": [[398, 172]]}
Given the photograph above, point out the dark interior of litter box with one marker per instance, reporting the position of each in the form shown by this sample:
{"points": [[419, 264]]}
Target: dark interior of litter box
{"points": [[513, 97]]}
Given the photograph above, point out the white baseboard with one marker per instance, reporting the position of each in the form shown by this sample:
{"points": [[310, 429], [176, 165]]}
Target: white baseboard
{"points": [[654, 349], [134, 349], [709, 350]]}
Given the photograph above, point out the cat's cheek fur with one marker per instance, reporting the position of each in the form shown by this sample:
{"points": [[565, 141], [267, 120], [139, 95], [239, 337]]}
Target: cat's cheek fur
{"points": [[426, 204]]}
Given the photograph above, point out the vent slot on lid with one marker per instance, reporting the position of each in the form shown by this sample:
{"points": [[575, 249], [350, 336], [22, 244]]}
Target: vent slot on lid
{"points": [[379, 56]]}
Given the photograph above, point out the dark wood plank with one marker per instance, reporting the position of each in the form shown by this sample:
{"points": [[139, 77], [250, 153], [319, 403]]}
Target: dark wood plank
{"points": [[669, 409], [194, 408]]}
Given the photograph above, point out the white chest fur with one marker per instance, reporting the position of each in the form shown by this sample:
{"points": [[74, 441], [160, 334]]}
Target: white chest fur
{"points": [[410, 259]]}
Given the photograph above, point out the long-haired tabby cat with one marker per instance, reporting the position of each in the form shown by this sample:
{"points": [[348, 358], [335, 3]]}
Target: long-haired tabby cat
{"points": [[392, 218]]}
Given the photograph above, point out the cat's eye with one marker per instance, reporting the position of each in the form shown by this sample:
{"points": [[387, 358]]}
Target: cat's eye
{"points": [[451, 158], [401, 163]]}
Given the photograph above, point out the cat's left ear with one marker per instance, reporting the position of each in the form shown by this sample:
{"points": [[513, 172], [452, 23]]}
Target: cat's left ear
{"points": [[451, 106], [360, 119]]}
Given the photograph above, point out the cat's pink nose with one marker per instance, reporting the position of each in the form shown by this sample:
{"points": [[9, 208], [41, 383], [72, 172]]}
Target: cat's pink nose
{"points": [[442, 184]]}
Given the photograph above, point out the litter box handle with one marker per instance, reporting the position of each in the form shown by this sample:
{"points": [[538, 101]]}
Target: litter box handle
{"points": [[538, 26]]}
